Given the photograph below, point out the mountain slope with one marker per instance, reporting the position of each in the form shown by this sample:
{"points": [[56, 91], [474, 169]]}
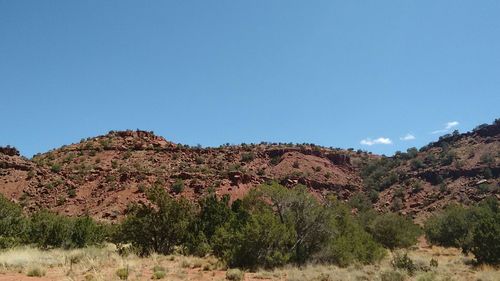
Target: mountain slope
{"points": [[102, 176], [462, 168]]}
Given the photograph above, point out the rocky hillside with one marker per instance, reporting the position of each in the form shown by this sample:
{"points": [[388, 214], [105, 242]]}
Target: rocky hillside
{"points": [[462, 168], [101, 176]]}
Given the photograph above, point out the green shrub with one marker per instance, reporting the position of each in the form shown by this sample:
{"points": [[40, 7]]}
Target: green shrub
{"points": [[13, 224], [235, 275], [275, 160], [361, 202], [158, 268], [274, 225], [199, 160], [56, 168], [122, 273], [178, 186], [488, 158], [158, 274], [262, 241], [85, 231], [50, 230], [247, 157], [486, 237], [475, 230], [377, 174], [351, 243], [36, 272], [394, 231], [450, 228], [9, 242], [416, 164], [213, 213], [403, 262], [72, 193], [158, 228]]}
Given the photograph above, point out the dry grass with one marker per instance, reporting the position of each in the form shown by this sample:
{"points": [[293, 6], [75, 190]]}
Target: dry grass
{"points": [[94, 264]]}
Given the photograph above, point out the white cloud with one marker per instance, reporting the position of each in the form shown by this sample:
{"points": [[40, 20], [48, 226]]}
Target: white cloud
{"points": [[447, 127], [380, 140], [407, 137], [451, 124]]}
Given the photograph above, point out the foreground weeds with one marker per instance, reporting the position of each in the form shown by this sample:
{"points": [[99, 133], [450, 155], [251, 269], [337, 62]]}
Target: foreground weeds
{"points": [[105, 263]]}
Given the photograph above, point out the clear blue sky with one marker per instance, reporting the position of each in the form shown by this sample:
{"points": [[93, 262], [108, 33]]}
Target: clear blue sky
{"points": [[333, 73]]}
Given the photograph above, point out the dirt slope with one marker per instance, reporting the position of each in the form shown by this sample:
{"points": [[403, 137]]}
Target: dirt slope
{"points": [[461, 168], [103, 175]]}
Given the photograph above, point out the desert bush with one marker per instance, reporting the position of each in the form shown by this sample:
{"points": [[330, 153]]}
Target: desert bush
{"points": [[178, 186], [159, 272], [213, 213], [448, 157], [13, 224], [476, 230], [394, 231], [361, 202], [235, 275], [247, 157], [450, 228], [485, 244], [275, 160], [487, 173], [48, 229], [261, 242], [487, 158], [35, 272], [55, 168], [402, 261], [416, 164], [377, 173], [199, 160], [122, 273], [72, 193], [158, 228], [274, 225], [350, 243], [85, 231], [158, 275]]}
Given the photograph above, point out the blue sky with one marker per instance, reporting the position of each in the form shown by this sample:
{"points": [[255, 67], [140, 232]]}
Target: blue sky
{"points": [[361, 74]]}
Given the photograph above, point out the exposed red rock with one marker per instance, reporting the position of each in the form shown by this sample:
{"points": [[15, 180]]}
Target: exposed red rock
{"points": [[101, 176]]}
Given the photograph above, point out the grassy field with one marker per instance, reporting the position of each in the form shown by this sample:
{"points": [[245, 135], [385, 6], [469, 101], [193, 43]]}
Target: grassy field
{"points": [[105, 264]]}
